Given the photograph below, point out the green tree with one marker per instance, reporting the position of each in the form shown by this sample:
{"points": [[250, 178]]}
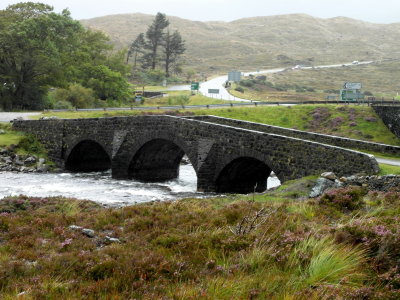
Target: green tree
{"points": [[137, 47], [155, 35], [34, 44], [40, 49], [173, 47], [106, 83], [77, 95]]}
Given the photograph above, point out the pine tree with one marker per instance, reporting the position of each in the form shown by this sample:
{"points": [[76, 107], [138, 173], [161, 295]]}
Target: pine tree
{"points": [[137, 47], [173, 47], [155, 35]]}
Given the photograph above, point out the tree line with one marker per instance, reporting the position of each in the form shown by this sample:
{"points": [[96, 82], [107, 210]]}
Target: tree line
{"points": [[49, 60], [156, 47]]}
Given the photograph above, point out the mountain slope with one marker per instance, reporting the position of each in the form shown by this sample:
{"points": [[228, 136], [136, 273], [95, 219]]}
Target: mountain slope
{"points": [[262, 42]]}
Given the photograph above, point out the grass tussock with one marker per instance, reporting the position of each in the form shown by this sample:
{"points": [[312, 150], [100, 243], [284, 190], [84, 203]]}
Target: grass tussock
{"points": [[288, 247]]}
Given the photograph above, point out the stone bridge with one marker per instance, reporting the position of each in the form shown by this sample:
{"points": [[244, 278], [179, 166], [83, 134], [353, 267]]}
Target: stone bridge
{"points": [[225, 158]]}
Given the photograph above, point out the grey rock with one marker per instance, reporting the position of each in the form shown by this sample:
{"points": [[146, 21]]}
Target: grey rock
{"points": [[88, 232], [75, 227], [17, 161], [109, 240], [328, 175], [42, 168], [49, 118], [30, 160], [339, 183], [2, 131], [321, 186], [3, 151]]}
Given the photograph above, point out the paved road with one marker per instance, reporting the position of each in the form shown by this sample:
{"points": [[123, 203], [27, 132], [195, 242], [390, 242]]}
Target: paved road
{"points": [[387, 161], [218, 82], [6, 117]]}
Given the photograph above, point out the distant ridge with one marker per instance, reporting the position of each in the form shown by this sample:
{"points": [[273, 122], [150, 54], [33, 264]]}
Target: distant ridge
{"points": [[262, 42]]}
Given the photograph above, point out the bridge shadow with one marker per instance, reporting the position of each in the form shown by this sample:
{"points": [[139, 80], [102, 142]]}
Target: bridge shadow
{"points": [[243, 175], [157, 160], [88, 156]]}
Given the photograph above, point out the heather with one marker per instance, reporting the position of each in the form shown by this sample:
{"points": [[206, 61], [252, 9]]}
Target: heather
{"points": [[277, 245]]}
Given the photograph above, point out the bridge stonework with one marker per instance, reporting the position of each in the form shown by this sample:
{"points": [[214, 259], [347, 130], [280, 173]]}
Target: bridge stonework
{"points": [[225, 158], [390, 115]]}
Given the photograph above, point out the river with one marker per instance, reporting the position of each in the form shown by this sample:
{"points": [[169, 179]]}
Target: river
{"points": [[100, 187]]}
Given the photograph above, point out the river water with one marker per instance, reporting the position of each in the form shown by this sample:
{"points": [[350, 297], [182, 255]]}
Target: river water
{"points": [[100, 187]]}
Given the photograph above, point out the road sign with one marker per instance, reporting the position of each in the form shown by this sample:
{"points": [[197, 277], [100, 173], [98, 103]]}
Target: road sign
{"points": [[213, 91], [350, 95], [234, 76], [352, 85], [194, 86]]}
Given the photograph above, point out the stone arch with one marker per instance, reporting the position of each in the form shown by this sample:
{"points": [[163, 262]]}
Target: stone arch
{"points": [[242, 175], [87, 156], [151, 158]]}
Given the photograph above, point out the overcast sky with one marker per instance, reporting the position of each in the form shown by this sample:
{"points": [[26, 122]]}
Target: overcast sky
{"points": [[376, 11]]}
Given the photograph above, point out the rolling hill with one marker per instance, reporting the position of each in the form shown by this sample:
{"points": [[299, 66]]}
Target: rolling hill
{"points": [[263, 42]]}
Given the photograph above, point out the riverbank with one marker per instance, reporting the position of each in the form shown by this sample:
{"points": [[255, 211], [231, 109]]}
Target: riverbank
{"points": [[277, 245]]}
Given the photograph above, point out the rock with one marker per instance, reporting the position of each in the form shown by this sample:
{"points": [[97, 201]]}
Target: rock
{"points": [[109, 240], [3, 151], [41, 161], [75, 227], [338, 183], [49, 118], [17, 161], [88, 232], [42, 169], [343, 179], [7, 160], [2, 131], [321, 186], [329, 175], [30, 160]]}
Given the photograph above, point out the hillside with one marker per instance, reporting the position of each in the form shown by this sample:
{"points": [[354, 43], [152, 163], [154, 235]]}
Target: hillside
{"points": [[263, 42]]}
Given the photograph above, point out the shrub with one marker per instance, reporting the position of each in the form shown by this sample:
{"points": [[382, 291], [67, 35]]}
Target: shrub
{"points": [[370, 119], [239, 89], [31, 145], [261, 78], [62, 104], [77, 95], [247, 82], [178, 100], [344, 199]]}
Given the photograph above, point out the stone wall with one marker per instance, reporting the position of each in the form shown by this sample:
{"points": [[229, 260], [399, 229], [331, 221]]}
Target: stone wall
{"points": [[209, 146], [390, 115], [375, 183], [317, 137]]}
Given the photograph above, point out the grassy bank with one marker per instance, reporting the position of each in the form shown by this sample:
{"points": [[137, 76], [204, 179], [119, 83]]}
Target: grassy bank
{"points": [[279, 245], [9, 137]]}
